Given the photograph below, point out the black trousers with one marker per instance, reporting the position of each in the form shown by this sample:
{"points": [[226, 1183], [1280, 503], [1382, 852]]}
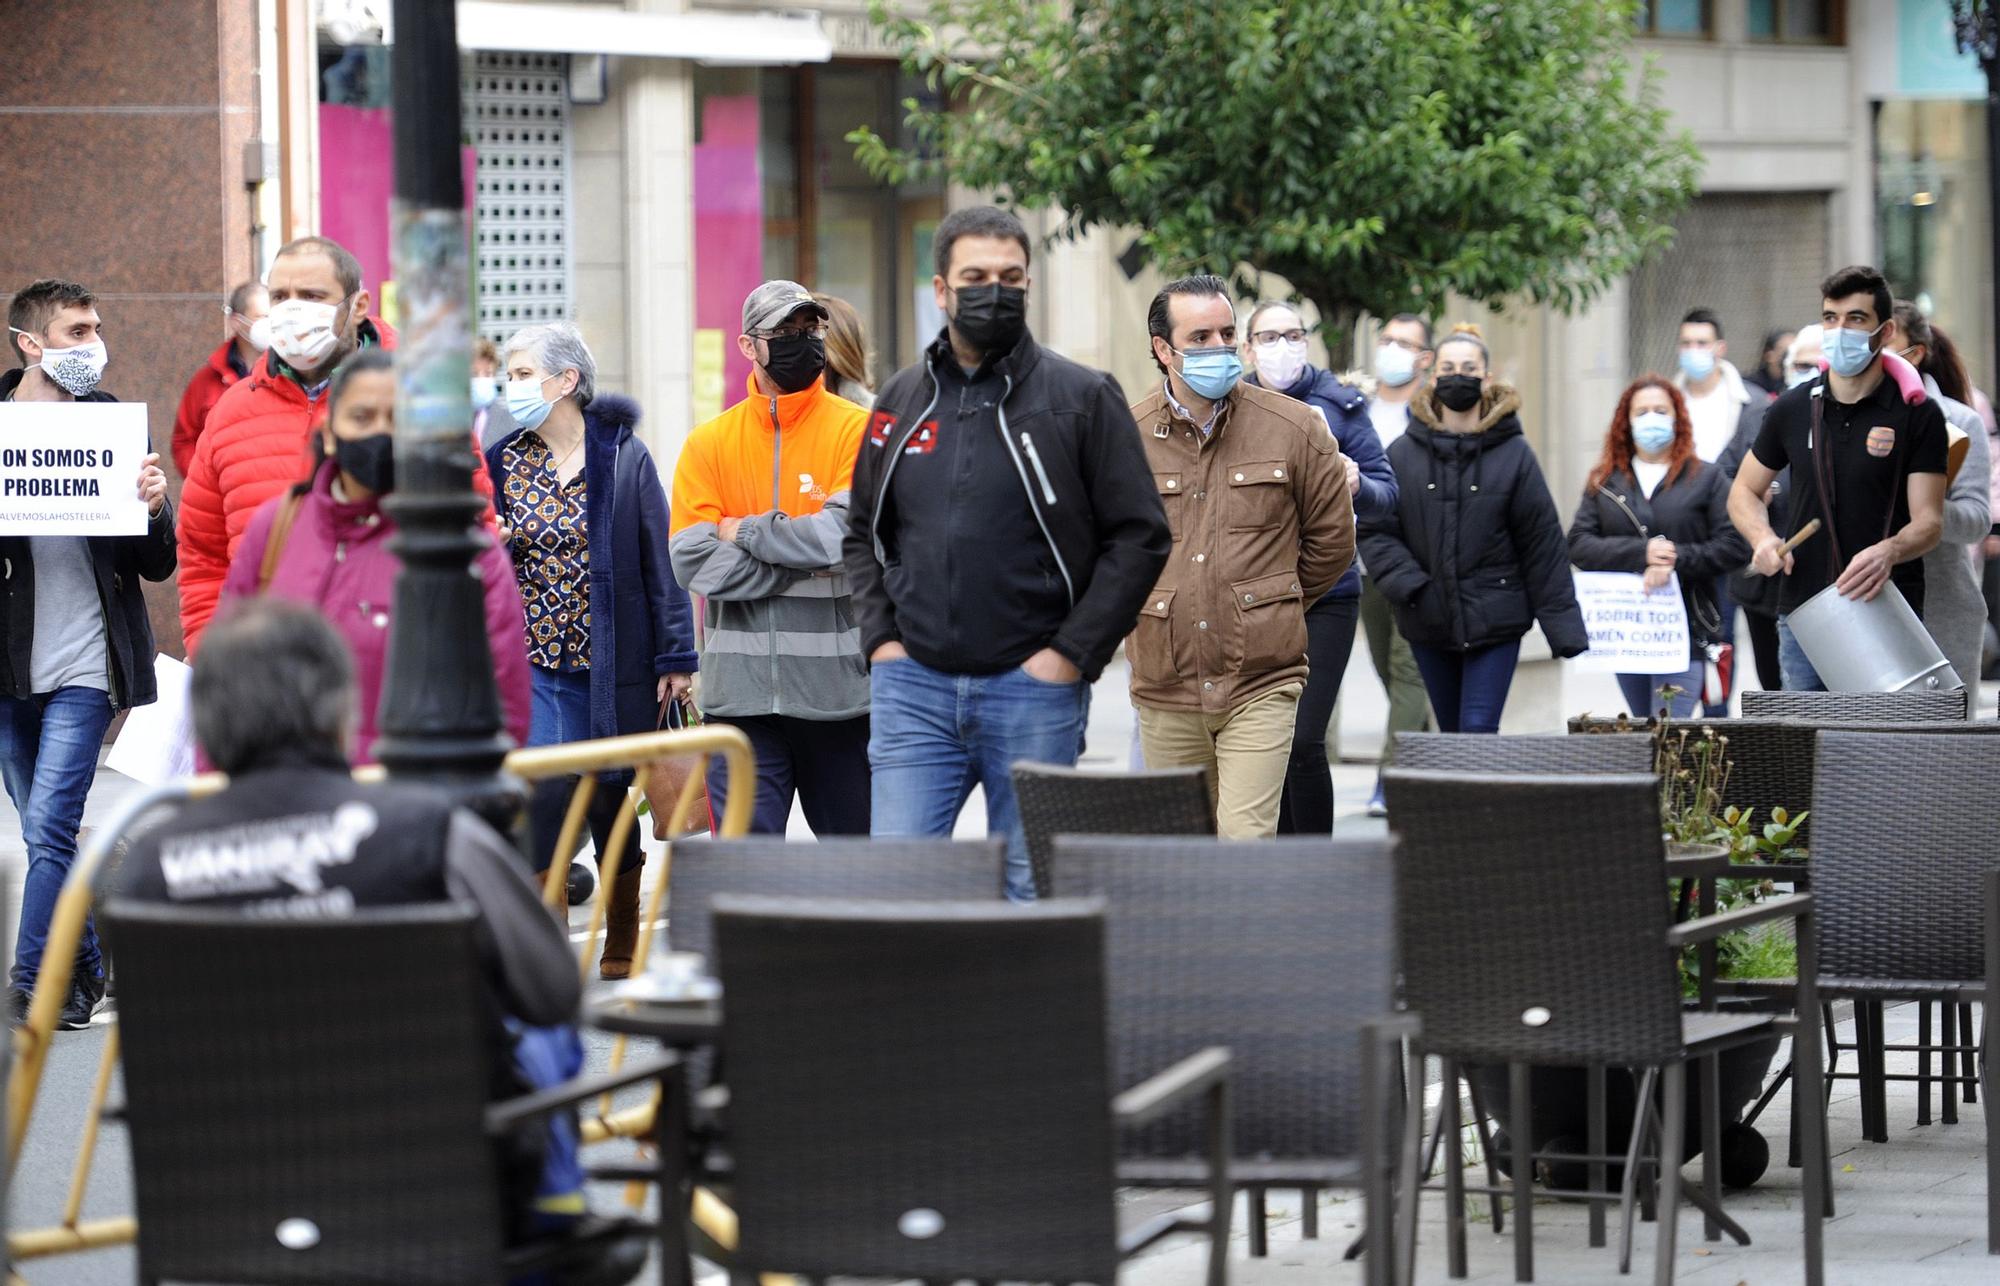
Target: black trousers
{"points": [[1764, 646], [1307, 806], [824, 762]]}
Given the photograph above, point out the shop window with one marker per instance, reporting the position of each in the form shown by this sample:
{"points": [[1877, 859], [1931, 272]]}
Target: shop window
{"points": [[1806, 22]]}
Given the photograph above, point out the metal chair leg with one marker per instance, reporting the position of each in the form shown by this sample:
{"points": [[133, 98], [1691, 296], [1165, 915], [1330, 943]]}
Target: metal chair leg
{"points": [[1454, 1173], [1482, 1126], [1628, 1188], [1711, 1142], [1948, 1033], [1260, 1232], [1309, 1213], [1969, 1062], [1674, 1090], [1524, 1172], [1599, 1173], [1924, 1062]]}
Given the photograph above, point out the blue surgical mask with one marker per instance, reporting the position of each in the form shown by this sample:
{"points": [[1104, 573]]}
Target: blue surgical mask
{"points": [[1395, 365], [525, 404], [1211, 372], [1652, 431], [1697, 363], [1848, 352], [484, 389]]}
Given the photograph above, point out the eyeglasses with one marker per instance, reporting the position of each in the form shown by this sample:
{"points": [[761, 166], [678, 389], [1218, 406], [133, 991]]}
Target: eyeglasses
{"points": [[817, 331], [1292, 336], [1403, 344]]}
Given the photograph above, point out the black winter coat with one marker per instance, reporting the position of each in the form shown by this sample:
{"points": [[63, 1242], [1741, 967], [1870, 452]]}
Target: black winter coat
{"points": [[1614, 523], [120, 564], [1475, 553]]}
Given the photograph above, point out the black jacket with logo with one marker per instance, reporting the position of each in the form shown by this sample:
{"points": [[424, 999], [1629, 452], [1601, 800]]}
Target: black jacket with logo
{"points": [[121, 563], [1475, 553], [998, 513]]}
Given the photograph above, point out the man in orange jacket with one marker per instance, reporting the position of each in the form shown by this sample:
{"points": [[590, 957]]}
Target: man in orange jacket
{"points": [[255, 443], [759, 512], [249, 335]]}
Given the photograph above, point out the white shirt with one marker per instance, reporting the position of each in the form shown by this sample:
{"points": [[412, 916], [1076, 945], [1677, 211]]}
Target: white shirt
{"points": [[1390, 419], [1650, 476]]}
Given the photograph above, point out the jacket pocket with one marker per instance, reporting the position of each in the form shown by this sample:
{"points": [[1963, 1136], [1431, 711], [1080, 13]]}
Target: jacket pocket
{"points": [[1170, 485], [1151, 650], [1498, 607], [1270, 622], [1260, 494]]}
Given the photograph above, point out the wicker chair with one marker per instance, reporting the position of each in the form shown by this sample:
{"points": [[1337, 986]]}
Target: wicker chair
{"points": [[924, 1092], [1859, 707], [1493, 870], [342, 1131], [1314, 1053], [1076, 801], [1470, 752], [876, 869]]}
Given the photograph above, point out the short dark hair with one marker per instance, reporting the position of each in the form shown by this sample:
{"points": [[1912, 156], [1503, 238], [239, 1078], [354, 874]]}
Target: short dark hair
{"points": [[35, 307], [272, 679], [1703, 317], [346, 268], [1860, 279], [239, 298], [978, 221], [1415, 320], [1159, 323]]}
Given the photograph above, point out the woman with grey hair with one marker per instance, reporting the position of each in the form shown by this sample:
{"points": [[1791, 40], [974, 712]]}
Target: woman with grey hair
{"points": [[610, 634]]}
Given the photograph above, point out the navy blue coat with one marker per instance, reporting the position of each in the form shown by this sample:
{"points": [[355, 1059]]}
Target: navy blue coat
{"points": [[1346, 412], [648, 630]]}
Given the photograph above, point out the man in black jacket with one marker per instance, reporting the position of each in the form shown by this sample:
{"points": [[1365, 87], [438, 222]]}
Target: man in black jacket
{"points": [[1004, 531], [79, 645]]}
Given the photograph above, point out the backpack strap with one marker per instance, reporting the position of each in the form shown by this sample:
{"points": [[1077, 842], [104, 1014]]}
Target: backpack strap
{"points": [[281, 531]]}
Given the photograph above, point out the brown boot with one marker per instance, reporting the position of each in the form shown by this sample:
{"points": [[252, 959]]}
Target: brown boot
{"points": [[621, 925]]}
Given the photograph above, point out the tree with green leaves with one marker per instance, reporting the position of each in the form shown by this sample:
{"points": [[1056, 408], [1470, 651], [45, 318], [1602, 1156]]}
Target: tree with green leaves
{"points": [[1376, 154]]}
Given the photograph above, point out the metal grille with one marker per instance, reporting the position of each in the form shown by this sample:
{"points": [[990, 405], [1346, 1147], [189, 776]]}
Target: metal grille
{"points": [[517, 112], [1755, 258]]}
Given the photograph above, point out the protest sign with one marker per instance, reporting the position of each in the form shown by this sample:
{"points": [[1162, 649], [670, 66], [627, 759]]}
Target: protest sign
{"points": [[156, 745], [1632, 631], [72, 468]]}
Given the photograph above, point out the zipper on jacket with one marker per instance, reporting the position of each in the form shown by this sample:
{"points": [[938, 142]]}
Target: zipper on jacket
{"points": [[1069, 586], [771, 618], [889, 470], [1035, 459], [1620, 502]]}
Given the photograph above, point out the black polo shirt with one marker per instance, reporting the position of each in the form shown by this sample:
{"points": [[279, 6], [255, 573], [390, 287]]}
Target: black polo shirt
{"points": [[1871, 447]]}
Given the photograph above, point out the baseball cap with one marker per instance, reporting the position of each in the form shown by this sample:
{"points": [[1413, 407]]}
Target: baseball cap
{"points": [[774, 301]]}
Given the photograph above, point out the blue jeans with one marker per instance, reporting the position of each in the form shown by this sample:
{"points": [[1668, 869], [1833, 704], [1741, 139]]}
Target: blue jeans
{"points": [[1642, 691], [559, 712], [1468, 690], [934, 736], [48, 755], [1793, 666]]}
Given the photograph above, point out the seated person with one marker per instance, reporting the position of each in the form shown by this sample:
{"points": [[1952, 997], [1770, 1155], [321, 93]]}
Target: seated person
{"points": [[294, 835]]}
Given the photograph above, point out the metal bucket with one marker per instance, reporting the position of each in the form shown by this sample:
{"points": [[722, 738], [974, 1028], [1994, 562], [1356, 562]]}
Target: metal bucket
{"points": [[1876, 646]]}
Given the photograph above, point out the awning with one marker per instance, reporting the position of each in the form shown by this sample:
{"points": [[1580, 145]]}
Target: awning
{"points": [[751, 39]]}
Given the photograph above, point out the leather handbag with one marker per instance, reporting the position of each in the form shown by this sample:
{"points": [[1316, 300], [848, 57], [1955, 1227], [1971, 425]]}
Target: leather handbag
{"points": [[665, 779]]}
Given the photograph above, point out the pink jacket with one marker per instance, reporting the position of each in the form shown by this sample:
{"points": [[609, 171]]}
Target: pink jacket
{"points": [[337, 558]]}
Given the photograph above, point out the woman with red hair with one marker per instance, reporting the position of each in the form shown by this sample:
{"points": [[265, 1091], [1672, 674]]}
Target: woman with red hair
{"points": [[1652, 507]]}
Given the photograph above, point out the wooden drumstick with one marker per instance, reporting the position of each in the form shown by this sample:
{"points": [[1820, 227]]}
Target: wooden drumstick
{"points": [[1804, 533]]}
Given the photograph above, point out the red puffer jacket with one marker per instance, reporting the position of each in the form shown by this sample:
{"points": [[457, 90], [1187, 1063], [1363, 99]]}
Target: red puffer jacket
{"points": [[255, 446], [216, 377], [337, 559]]}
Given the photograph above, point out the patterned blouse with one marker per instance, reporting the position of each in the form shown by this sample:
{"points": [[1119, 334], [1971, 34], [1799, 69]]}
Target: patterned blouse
{"points": [[551, 550]]}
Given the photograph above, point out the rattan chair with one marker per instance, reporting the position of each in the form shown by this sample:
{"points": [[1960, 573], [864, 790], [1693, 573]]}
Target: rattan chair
{"points": [[1534, 931], [924, 1092], [1284, 951], [323, 1115], [1628, 752], [875, 869], [1858, 707], [1079, 801]]}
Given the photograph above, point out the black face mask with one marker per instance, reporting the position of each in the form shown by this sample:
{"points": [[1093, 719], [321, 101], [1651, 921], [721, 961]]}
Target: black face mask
{"points": [[1458, 392], [991, 318], [370, 461], [796, 361]]}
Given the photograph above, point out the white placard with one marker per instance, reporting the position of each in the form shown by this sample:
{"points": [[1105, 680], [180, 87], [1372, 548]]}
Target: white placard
{"points": [[156, 745], [1632, 631], [72, 468]]}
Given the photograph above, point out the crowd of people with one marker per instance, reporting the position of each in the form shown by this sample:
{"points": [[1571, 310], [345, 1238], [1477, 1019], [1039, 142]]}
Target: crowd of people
{"points": [[899, 592]]}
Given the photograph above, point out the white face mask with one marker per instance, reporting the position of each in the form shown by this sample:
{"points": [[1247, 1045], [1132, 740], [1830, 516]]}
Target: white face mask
{"points": [[260, 334], [75, 369], [302, 331], [1280, 363]]}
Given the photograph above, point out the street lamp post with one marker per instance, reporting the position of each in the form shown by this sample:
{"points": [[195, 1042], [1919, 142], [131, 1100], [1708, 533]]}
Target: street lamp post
{"points": [[440, 715], [1977, 24]]}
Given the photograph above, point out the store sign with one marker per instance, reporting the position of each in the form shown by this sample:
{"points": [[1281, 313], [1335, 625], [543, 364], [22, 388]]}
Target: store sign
{"points": [[1632, 630], [72, 468]]}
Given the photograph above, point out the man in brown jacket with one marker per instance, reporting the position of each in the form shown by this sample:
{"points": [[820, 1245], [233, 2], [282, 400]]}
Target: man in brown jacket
{"points": [[1256, 495]]}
